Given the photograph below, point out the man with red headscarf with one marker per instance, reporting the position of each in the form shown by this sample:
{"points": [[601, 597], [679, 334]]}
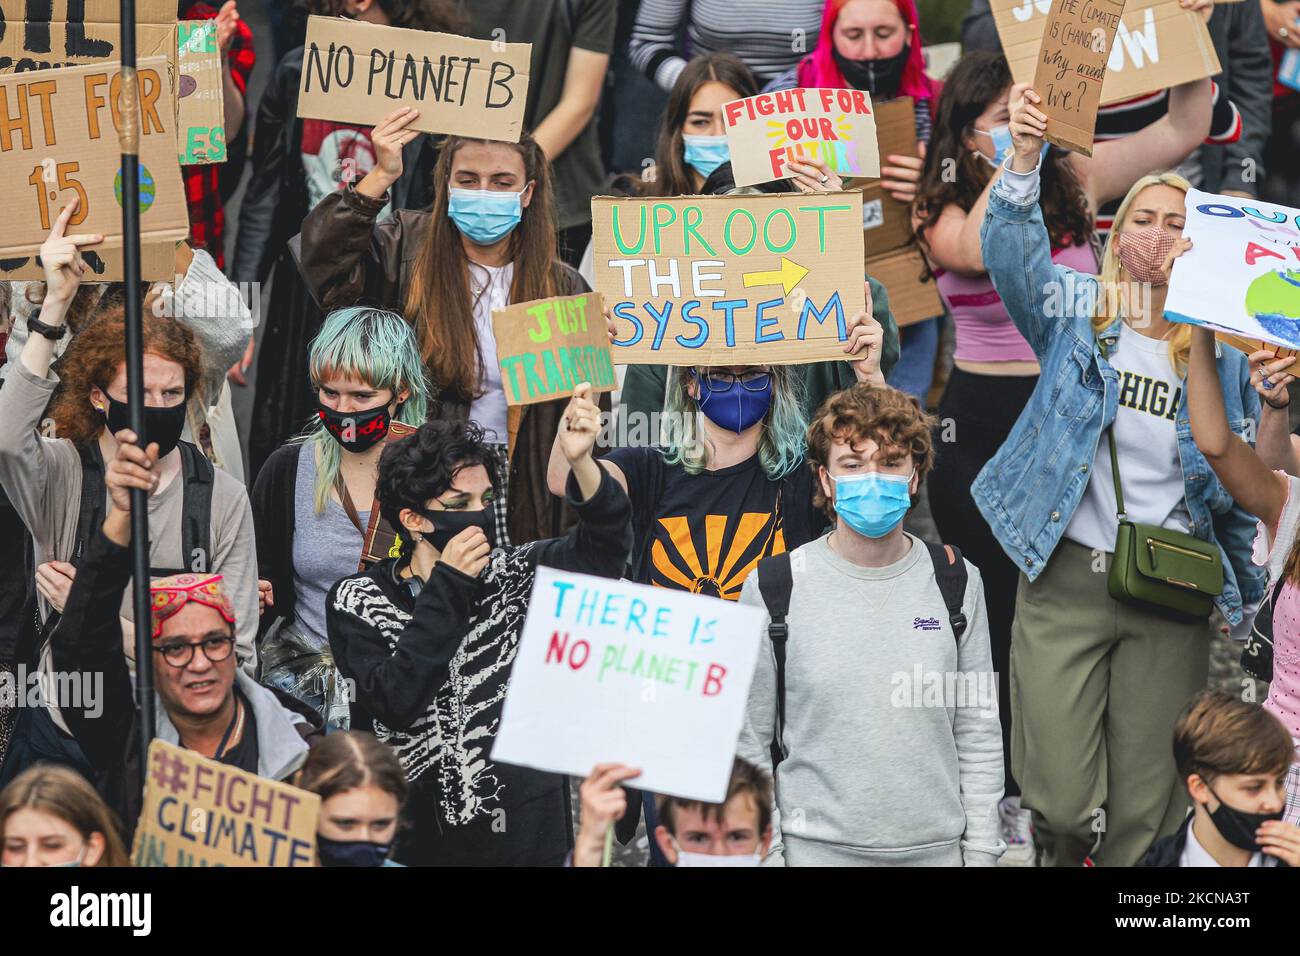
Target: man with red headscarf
{"points": [[203, 701]]}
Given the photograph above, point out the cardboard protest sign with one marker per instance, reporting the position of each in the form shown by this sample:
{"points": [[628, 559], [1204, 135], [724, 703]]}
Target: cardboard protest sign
{"points": [[200, 103], [886, 221], [1242, 274], [380, 540], [546, 348], [356, 72], [59, 140], [1157, 45], [609, 670], [52, 33], [1072, 66], [156, 264], [767, 131], [911, 298], [730, 280], [198, 812]]}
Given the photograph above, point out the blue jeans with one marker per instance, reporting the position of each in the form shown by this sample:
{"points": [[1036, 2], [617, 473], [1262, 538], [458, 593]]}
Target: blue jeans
{"points": [[919, 344]]}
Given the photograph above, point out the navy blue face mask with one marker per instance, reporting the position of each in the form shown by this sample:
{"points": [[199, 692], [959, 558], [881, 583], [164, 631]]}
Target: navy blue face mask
{"points": [[354, 853], [732, 404]]}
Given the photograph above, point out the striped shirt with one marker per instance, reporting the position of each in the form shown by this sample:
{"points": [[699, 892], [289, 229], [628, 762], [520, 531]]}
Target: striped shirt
{"points": [[1129, 116], [770, 36]]}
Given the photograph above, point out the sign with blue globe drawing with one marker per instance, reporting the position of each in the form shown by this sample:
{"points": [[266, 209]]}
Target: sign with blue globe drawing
{"points": [[148, 190], [1242, 274]]}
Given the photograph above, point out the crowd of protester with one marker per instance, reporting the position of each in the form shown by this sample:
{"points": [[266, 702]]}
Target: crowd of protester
{"points": [[945, 499]]}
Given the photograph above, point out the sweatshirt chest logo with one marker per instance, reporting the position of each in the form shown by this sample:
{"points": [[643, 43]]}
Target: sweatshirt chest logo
{"points": [[925, 624]]}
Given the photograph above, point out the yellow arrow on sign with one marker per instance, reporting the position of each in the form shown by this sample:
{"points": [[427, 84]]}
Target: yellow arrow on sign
{"points": [[787, 277]]}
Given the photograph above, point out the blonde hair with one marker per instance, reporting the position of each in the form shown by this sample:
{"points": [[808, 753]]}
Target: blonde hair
{"points": [[1107, 311]]}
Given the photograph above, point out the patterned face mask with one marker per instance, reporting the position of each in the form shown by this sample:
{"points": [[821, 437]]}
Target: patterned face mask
{"points": [[1142, 252]]}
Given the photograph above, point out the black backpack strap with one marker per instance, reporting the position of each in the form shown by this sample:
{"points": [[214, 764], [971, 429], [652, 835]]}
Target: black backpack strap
{"points": [[196, 509], [93, 491], [775, 583], [950, 575]]}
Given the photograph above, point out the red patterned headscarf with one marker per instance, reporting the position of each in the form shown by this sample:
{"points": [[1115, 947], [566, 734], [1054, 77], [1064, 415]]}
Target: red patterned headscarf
{"points": [[168, 595]]}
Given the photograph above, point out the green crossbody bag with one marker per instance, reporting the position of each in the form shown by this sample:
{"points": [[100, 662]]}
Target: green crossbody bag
{"points": [[1169, 572]]}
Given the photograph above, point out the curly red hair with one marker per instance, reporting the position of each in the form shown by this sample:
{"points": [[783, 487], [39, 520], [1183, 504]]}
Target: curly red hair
{"points": [[94, 357]]}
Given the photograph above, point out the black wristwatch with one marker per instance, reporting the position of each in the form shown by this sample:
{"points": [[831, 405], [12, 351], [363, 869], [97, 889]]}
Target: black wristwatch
{"points": [[51, 332]]}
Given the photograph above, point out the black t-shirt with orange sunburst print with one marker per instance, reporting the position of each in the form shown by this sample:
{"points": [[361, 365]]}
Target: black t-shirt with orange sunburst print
{"points": [[705, 533]]}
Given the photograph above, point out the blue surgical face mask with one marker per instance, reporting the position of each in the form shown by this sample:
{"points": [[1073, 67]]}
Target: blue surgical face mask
{"points": [[485, 216], [704, 154], [873, 504], [1003, 144], [734, 405]]}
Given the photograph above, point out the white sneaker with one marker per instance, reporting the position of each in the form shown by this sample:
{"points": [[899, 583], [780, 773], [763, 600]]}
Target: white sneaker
{"points": [[1017, 833]]}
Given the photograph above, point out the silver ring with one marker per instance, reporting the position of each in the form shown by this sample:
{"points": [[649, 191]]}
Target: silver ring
{"points": [[1283, 32], [825, 179]]}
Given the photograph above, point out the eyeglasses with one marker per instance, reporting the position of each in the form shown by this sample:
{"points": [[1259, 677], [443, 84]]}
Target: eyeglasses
{"points": [[180, 653], [726, 381]]}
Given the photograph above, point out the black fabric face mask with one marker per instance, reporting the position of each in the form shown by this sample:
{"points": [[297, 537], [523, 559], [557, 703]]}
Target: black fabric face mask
{"points": [[880, 78], [355, 431], [356, 853], [1237, 826], [161, 425], [448, 524]]}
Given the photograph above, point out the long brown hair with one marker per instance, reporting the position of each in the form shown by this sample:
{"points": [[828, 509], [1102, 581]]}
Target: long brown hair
{"points": [[439, 302], [977, 80], [65, 794], [672, 175], [98, 352]]}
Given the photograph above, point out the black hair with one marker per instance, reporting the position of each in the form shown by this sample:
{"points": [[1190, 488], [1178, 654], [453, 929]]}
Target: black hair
{"points": [[420, 467]]}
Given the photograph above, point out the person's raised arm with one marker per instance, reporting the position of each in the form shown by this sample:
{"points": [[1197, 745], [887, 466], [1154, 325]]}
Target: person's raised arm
{"points": [[232, 86], [1016, 248], [341, 256], [604, 802], [599, 543], [583, 81], [952, 242], [30, 466], [1116, 164], [88, 637], [1242, 472], [558, 465]]}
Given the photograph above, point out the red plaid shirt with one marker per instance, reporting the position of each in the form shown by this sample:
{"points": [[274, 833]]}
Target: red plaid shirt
{"points": [[202, 183]]}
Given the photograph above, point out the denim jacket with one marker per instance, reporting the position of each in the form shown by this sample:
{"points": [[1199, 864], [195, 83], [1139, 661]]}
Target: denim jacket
{"points": [[1029, 490]]}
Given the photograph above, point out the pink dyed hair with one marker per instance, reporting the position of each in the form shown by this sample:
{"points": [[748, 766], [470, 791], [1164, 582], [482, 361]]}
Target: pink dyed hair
{"points": [[819, 70]]}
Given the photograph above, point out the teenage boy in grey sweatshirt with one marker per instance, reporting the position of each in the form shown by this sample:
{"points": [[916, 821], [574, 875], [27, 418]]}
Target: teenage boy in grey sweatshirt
{"points": [[892, 750]]}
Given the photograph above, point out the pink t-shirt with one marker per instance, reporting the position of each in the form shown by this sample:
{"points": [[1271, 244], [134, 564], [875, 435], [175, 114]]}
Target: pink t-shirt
{"points": [[1284, 690], [985, 333]]}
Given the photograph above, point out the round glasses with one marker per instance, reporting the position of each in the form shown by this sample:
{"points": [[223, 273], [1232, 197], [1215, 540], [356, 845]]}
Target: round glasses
{"points": [[726, 381], [180, 653]]}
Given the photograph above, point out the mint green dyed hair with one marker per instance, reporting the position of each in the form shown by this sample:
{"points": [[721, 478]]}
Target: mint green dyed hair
{"points": [[373, 346], [781, 445]]}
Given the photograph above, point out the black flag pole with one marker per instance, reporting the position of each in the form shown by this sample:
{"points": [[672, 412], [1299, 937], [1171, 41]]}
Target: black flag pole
{"points": [[128, 137]]}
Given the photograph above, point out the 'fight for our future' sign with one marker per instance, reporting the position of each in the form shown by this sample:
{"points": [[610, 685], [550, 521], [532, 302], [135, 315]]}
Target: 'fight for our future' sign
{"points": [[730, 280], [1242, 274], [357, 72], [609, 670], [770, 130], [198, 812]]}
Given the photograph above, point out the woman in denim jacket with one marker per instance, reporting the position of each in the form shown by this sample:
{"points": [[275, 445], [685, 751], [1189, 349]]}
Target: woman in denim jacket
{"points": [[1095, 683]]}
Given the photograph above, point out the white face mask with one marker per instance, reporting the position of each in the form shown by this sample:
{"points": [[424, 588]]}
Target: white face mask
{"points": [[708, 859]]}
